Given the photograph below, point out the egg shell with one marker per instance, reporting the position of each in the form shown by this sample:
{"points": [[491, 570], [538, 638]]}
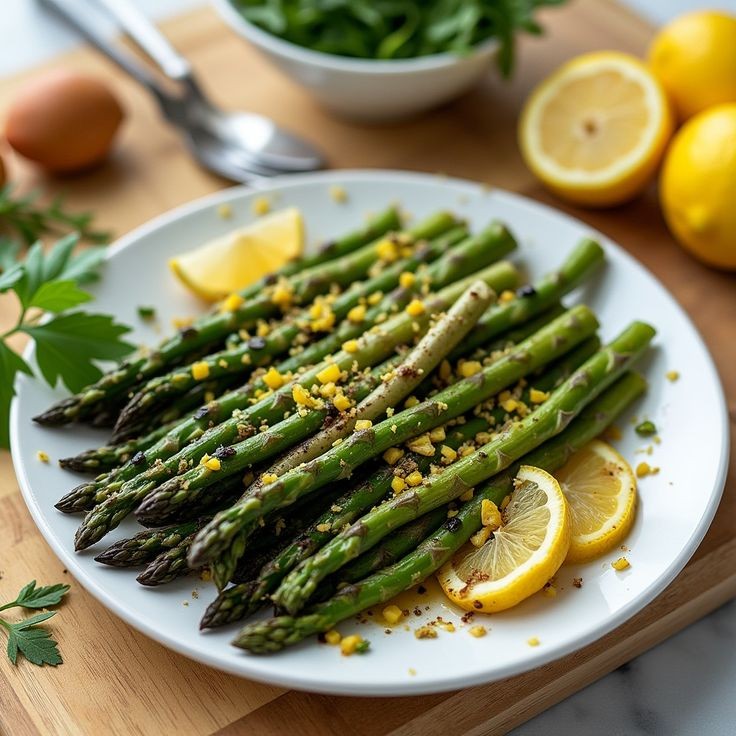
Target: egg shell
{"points": [[63, 120]]}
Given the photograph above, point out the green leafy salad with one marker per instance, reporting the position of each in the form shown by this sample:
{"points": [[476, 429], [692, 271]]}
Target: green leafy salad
{"points": [[396, 29]]}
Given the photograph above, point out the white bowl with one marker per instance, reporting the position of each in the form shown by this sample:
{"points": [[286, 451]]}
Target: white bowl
{"points": [[368, 89]]}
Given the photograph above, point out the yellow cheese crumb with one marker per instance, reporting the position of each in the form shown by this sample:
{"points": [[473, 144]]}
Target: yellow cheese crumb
{"points": [[481, 536], [330, 374], [42, 456], [477, 631], [269, 477], [212, 463], [328, 390], [301, 395], [282, 295], [273, 379], [414, 478], [374, 298], [333, 637], [446, 625], [412, 671], [445, 370], [200, 370], [415, 307], [469, 368], [537, 397], [261, 206], [489, 514], [245, 360], [357, 314], [349, 644], [224, 211], [393, 455], [350, 346], [437, 434], [407, 279], [448, 453], [672, 375], [397, 484], [387, 251], [323, 528], [422, 445], [338, 194], [392, 614], [643, 469], [532, 641], [262, 329], [467, 496], [231, 303], [425, 632], [509, 405], [363, 424], [506, 296], [180, 323], [621, 564], [411, 401], [341, 402]]}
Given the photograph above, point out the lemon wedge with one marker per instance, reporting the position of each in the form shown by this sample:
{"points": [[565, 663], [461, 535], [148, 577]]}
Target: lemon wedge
{"points": [[521, 556], [595, 131], [600, 489], [234, 261]]}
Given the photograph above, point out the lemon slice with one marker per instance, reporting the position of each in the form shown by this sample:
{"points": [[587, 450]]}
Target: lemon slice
{"points": [[600, 489], [232, 262], [521, 556], [595, 131]]}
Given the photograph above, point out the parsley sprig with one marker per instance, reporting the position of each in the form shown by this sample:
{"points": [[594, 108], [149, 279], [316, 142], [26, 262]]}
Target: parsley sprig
{"points": [[68, 340], [26, 216], [33, 641]]}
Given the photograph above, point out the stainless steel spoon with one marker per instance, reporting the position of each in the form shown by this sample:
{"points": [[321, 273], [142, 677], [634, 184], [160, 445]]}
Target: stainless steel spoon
{"points": [[239, 146]]}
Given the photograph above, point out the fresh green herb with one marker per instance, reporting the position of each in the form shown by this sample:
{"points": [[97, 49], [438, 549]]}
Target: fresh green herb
{"points": [[646, 429], [34, 642], [363, 646], [146, 312], [31, 220], [46, 286], [397, 29]]}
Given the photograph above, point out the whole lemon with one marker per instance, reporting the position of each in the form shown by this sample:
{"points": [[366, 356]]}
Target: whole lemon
{"points": [[694, 57], [698, 186]]}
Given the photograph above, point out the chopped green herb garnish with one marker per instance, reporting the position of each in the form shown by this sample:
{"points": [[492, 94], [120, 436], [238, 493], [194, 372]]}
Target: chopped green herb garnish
{"points": [[146, 312], [646, 429], [363, 646]]}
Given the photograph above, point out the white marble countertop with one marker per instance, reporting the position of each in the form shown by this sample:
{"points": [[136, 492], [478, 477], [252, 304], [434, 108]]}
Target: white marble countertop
{"points": [[682, 687]]}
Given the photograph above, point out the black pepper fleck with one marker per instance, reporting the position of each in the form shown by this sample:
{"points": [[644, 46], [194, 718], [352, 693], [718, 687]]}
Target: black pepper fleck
{"points": [[256, 343], [453, 525], [138, 458], [526, 290]]}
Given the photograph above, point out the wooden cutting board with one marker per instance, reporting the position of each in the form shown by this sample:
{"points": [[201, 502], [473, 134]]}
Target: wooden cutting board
{"points": [[114, 679]]}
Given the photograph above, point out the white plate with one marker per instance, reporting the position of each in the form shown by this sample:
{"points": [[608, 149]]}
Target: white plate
{"points": [[676, 506]]}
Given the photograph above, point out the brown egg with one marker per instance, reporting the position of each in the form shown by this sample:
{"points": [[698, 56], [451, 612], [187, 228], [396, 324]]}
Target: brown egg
{"points": [[64, 121]]}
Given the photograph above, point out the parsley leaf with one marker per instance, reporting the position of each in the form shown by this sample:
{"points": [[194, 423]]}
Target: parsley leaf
{"points": [[44, 597], [26, 636], [66, 345], [58, 296], [10, 364], [35, 643]]}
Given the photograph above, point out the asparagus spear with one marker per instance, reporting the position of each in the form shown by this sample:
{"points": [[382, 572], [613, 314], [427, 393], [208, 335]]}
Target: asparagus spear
{"points": [[145, 546], [533, 299], [168, 565], [442, 273], [495, 242], [268, 636], [231, 527], [548, 420], [332, 250], [305, 285], [248, 595]]}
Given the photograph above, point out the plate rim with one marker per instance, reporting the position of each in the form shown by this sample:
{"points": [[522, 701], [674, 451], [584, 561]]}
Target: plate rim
{"points": [[415, 686]]}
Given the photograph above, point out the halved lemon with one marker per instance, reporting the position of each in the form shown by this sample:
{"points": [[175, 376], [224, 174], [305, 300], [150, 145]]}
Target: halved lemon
{"points": [[600, 489], [521, 556], [232, 262], [595, 131]]}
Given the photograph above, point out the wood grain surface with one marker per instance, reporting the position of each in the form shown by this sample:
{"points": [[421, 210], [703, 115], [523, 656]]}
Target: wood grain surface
{"points": [[115, 680]]}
